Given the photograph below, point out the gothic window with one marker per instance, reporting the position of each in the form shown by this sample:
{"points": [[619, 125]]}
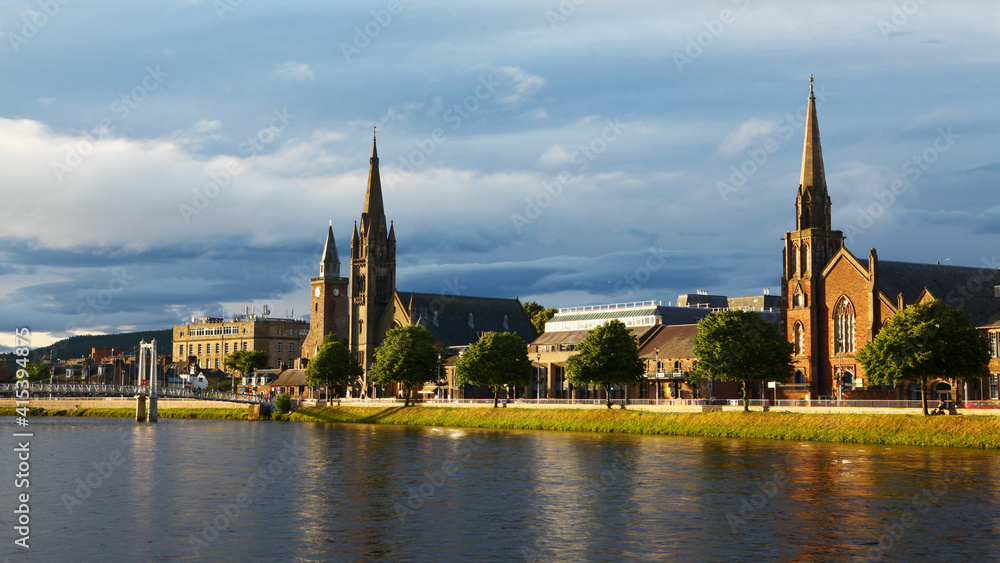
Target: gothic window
{"points": [[799, 377], [843, 326], [805, 256], [799, 339], [798, 258]]}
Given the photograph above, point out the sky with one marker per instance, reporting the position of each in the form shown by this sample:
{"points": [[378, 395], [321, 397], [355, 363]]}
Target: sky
{"points": [[174, 159]]}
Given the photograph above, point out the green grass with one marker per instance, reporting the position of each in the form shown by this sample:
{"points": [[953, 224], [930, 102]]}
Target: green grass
{"points": [[953, 431], [212, 414]]}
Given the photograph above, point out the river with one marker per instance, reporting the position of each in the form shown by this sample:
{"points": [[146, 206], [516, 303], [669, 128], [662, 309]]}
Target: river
{"points": [[114, 490]]}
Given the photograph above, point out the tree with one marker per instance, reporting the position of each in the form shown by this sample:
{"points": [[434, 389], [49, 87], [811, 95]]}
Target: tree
{"points": [[607, 357], [38, 371], [333, 365], [408, 356], [740, 346], [496, 360], [925, 341], [245, 361], [539, 315]]}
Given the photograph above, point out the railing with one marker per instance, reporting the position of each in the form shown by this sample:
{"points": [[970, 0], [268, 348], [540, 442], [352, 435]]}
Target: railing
{"points": [[123, 390]]}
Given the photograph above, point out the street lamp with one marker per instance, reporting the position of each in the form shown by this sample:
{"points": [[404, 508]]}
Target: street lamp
{"points": [[538, 379], [656, 374]]}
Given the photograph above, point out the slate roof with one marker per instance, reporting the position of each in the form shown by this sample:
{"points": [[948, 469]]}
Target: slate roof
{"points": [[451, 325], [290, 378], [952, 284], [675, 341]]}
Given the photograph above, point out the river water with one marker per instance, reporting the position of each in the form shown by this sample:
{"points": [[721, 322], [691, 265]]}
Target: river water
{"points": [[114, 490]]}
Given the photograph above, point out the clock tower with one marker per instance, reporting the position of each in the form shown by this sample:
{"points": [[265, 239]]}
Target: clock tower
{"points": [[330, 307]]}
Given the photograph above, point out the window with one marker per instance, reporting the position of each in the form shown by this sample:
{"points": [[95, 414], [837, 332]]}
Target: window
{"points": [[279, 347], [805, 256], [843, 326], [245, 345], [995, 344], [799, 339], [216, 363], [994, 385], [199, 350], [291, 347], [217, 345], [677, 366], [181, 353], [227, 347], [800, 378]]}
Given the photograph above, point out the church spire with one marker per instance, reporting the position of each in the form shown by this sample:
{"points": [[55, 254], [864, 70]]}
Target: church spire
{"points": [[813, 203], [373, 199], [329, 265]]}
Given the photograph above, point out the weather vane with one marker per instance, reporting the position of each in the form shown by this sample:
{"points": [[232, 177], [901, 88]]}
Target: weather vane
{"points": [[373, 125], [810, 81]]}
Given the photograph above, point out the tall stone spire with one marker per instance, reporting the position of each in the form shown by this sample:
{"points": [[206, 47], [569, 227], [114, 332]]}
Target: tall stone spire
{"points": [[329, 265], [373, 198], [813, 201]]}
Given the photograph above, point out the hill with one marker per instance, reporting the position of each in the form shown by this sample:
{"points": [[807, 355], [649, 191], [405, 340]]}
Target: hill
{"points": [[79, 346]]}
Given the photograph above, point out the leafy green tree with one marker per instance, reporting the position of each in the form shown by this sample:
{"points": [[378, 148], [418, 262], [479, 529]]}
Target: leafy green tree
{"points": [[496, 360], [607, 357], [245, 361], [282, 403], [539, 315], [408, 356], [740, 346], [38, 371], [923, 342], [333, 365]]}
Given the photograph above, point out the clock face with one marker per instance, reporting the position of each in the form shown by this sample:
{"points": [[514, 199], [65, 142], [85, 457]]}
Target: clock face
{"points": [[317, 292], [336, 291]]}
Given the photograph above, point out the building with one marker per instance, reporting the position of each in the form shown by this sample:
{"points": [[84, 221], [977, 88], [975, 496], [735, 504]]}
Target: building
{"points": [[330, 307], [835, 303], [658, 328], [376, 306], [208, 341]]}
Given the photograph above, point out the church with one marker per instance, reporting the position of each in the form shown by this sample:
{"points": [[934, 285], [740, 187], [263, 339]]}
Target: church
{"points": [[834, 302], [362, 308]]}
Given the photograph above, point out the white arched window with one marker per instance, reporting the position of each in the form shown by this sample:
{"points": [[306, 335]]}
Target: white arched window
{"points": [[805, 257], [799, 339], [843, 326]]}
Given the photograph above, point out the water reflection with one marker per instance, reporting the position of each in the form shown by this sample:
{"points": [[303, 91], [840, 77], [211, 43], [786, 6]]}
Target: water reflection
{"points": [[315, 492]]}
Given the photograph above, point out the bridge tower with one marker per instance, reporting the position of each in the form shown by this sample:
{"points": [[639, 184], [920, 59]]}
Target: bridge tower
{"points": [[147, 372]]}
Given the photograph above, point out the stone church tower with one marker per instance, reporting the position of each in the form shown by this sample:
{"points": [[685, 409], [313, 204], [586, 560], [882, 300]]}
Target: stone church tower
{"points": [[807, 251], [329, 310], [373, 272]]}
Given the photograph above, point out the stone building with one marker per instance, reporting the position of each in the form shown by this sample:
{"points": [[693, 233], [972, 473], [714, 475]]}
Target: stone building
{"points": [[208, 341], [835, 302], [375, 305]]}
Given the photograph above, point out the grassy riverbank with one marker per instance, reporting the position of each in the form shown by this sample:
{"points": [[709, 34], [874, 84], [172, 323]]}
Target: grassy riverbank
{"points": [[953, 431], [208, 414]]}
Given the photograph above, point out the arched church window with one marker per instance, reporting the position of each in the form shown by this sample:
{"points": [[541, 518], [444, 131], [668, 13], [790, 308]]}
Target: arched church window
{"points": [[805, 256], [800, 378], [843, 326], [798, 258]]}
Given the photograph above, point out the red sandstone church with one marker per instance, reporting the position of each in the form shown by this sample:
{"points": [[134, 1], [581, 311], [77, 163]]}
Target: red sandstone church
{"points": [[834, 303]]}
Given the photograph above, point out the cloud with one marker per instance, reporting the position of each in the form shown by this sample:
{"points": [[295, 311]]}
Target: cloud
{"points": [[519, 84], [299, 72], [554, 156], [45, 101], [749, 133]]}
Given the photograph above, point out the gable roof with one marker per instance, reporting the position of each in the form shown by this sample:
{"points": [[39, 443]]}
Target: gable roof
{"points": [[954, 285], [676, 341], [450, 324], [290, 378]]}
